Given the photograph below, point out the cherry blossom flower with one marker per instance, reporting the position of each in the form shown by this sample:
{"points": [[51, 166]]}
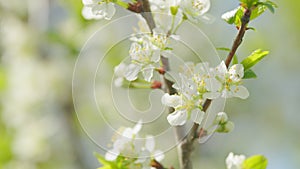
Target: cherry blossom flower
{"points": [[195, 9], [185, 108], [230, 81]]}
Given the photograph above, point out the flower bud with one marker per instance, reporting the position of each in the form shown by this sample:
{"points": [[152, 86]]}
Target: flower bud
{"points": [[221, 118]]}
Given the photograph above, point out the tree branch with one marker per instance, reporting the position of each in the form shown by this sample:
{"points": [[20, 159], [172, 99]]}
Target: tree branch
{"points": [[187, 145]]}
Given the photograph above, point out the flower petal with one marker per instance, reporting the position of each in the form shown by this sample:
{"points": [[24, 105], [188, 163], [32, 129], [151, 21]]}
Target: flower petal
{"points": [[240, 91], [132, 72], [137, 127], [148, 72], [150, 143], [177, 118], [171, 100], [236, 72], [111, 155]]}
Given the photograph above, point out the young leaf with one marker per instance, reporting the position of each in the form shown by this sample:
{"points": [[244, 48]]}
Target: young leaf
{"points": [[106, 164], [270, 5], [254, 58], [234, 16], [248, 3], [256, 12], [249, 74], [255, 162]]}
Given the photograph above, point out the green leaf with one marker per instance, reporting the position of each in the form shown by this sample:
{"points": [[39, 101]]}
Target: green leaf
{"points": [[260, 9], [249, 74], [270, 5], [255, 162], [234, 16], [106, 164], [254, 58]]}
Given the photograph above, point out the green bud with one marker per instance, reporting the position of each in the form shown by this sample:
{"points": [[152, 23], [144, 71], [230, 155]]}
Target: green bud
{"points": [[174, 10], [225, 128]]}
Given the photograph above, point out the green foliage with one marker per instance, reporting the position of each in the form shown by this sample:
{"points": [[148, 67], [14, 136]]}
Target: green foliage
{"points": [[257, 8], [248, 3], [255, 162], [234, 16], [254, 58], [249, 74]]}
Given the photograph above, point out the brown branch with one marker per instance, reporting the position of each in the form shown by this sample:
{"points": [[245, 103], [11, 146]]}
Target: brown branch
{"points": [[239, 38], [146, 13]]}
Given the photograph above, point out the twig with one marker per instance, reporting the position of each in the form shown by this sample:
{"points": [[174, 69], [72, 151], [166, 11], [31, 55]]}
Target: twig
{"points": [[239, 38]]}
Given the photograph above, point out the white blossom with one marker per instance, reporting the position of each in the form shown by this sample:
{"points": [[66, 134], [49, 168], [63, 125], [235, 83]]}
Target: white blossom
{"points": [[195, 9], [234, 161], [231, 81], [125, 138], [98, 9], [184, 108]]}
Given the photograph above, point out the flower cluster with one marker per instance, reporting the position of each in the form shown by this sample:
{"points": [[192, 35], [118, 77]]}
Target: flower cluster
{"points": [[199, 82], [127, 145], [145, 53], [194, 10]]}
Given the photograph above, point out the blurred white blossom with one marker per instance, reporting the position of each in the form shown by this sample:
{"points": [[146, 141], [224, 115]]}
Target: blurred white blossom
{"points": [[234, 161], [98, 9]]}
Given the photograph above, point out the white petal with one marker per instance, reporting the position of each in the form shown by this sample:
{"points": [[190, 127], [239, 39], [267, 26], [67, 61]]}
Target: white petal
{"points": [[128, 133], [88, 14], [155, 56], [158, 155], [177, 118], [211, 95], [212, 84], [148, 72], [171, 100], [240, 91], [87, 2], [110, 11], [132, 72], [150, 143], [197, 116], [221, 68], [236, 72], [120, 70], [111, 155], [137, 127], [119, 81]]}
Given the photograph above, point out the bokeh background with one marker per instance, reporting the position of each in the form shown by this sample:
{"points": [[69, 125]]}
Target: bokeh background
{"points": [[41, 40]]}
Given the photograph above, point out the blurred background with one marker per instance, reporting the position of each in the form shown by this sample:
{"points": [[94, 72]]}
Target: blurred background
{"points": [[40, 41]]}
